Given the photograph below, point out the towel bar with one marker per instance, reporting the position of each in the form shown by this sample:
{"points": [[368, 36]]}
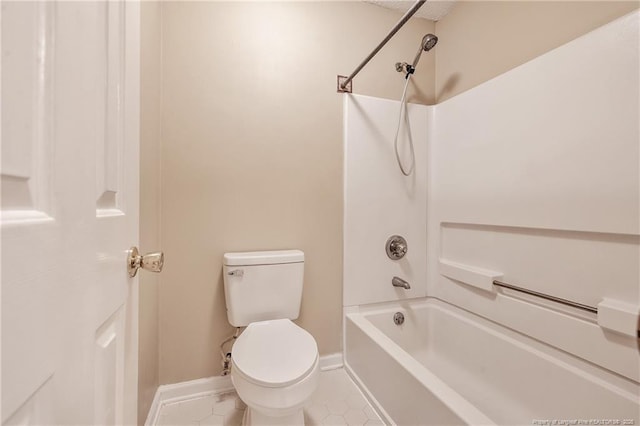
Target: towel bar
{"points": [[614, 315], [547, 296]]}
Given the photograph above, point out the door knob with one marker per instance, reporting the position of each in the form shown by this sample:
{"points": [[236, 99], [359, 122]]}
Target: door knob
{"points": [[151, 261]]}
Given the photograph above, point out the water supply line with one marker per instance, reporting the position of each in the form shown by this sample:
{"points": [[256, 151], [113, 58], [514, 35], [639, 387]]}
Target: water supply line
{"points": [[226, 356]]}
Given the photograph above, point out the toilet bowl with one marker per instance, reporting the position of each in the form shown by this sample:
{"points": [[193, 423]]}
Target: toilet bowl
{"points": [[274, 362], [275, 368]]}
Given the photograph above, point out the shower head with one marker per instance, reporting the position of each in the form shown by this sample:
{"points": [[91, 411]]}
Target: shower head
{"points": [[428, 42]]}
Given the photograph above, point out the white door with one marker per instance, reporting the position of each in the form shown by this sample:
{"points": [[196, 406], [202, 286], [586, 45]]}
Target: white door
{"points": [[70, 101]]}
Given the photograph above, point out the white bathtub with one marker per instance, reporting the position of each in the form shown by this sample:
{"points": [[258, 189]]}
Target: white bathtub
{"points": [[448, 366]]}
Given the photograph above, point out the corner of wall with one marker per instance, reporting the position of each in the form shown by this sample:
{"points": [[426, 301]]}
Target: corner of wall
{"points": [[499, 36]]}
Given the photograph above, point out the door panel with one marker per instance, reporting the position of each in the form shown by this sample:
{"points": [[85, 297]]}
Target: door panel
{"points": [[109, 155], [70, 74], [27, 71], [109, 363]]}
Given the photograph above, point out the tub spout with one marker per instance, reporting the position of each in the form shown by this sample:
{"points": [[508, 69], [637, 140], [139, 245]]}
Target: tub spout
{"points": [[399, 282]]}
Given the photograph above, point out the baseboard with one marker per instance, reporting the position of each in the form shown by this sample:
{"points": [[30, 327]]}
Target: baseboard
{"points": [[331, 361], [183, 391], [176, 392]]}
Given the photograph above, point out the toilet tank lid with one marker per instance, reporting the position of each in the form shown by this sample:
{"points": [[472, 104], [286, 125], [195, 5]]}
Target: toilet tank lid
{"points": [[263, 257]]}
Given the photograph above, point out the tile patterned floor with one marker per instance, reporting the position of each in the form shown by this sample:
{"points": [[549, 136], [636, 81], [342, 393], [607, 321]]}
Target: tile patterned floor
{"points": [[337, 401]]}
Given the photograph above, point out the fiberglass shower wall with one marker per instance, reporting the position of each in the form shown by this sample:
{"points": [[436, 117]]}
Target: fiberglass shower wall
{"points": [[380, 202], [533, 175]]}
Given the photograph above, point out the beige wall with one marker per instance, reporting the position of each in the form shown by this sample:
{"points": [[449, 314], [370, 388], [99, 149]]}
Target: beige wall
{"points": [[150, 98], [252, 153], [252, 142], [482, 39]]}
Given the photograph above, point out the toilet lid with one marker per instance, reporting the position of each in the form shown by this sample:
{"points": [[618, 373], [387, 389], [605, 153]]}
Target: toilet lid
{"points": [[274, 353]]}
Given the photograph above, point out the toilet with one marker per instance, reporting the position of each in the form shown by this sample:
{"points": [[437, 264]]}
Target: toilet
{"points": [[274, 362]]}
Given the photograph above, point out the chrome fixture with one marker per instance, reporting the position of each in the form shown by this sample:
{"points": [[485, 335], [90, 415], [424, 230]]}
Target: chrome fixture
{"points": [[152, 262], [344, 85], [400, 66], [547, 296], [396, 247], [398, 318], [556, 299], [427, 43], [399, 282], [236, 273]]}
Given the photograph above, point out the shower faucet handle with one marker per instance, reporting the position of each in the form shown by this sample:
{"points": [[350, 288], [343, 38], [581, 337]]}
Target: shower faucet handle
{"points": [[396, 247], [399, 248]]}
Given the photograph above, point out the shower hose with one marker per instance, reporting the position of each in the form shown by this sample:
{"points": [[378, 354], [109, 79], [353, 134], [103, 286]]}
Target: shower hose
{"points": [[403, 112]]}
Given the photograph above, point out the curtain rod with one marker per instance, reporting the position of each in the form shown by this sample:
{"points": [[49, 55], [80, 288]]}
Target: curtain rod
{"points": [[547, 296], [344, 85]]}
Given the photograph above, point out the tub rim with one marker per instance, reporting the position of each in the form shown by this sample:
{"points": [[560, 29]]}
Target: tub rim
{"points": [[440, 390], [469, 413]]}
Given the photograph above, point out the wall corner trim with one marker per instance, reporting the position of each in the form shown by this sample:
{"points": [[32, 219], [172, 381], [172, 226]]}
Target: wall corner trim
{"points": [[184, 391]]}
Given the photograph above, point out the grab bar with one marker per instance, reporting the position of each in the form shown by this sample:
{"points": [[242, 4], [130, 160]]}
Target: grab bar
{"points": [[547, 296], [612, 315], [615, 315]]}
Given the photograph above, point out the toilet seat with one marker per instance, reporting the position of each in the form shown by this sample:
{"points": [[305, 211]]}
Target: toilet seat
{"points": [[275, 353]]}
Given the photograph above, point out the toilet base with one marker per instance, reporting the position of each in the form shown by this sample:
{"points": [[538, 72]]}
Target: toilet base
{"points": [[255, 418]]}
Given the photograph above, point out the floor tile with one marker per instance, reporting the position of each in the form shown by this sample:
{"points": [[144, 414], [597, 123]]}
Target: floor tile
{"points": [[337, 406], [356, 401], [337, 401], [212, 420], [334, 420], [370, 413], [316, 413], [225, 407], [188, 411], [234, 417], [355, 417]]}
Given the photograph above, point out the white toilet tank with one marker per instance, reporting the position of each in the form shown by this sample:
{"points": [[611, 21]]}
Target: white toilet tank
{"points": [[263, 285]]}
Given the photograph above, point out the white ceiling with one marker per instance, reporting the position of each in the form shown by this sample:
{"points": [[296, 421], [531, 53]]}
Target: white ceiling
{"points": [[433, 10]]}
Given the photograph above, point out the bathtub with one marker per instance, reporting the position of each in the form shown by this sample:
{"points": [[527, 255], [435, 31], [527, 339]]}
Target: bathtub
{"points": [[444, 365]]}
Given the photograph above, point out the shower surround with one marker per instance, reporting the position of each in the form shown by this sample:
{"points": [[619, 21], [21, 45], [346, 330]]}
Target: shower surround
{"points": [[531, 178]]}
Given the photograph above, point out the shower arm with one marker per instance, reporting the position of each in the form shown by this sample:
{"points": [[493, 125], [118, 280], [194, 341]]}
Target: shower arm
{"points": [[343, 82]]}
